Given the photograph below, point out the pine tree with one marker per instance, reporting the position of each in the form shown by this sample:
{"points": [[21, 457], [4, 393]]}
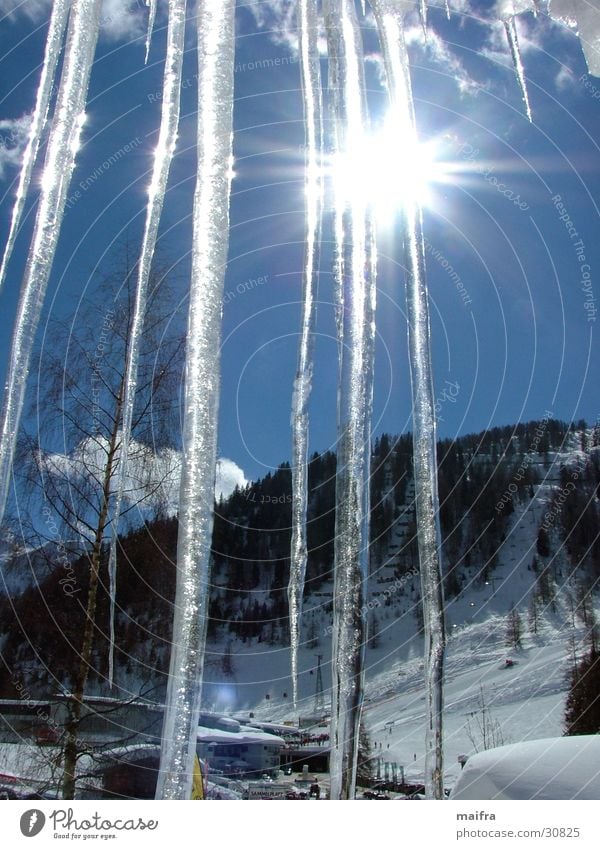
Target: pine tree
{"points": [[582, 709], [364, 769], [312, 637], [534, 615], [227, 661], [374, 638], [543, 543], [514, 629]]}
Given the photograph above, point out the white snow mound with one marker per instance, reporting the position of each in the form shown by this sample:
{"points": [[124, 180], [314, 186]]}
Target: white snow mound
{"points": [[556, 768]]}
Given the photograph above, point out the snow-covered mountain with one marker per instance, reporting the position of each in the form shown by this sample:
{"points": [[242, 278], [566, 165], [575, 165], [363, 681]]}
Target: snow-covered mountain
{"points": [[520, 524], [514, 629]]}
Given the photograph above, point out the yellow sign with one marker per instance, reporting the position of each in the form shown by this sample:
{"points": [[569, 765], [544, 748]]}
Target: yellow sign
{"points": [[197, 782]]}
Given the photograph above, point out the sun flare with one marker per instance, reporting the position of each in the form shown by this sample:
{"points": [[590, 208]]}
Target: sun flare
{"points": [[385, 170]]}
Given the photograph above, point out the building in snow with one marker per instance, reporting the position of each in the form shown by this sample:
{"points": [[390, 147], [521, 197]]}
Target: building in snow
{"points": [[104, 720], [236, 749]]}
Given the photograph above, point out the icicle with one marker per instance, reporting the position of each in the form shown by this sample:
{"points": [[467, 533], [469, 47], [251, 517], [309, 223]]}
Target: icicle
{"points": [[54, 41], [423, 15], [333, 85], [354, 405], [151, 19], [216, 46], [582, 17], [58, 168], [165, 148], [313, 114], [389, 20], [513, 41], [447, 5]]}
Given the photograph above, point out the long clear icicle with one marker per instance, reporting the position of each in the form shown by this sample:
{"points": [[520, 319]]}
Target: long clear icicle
{"points": [[151, 20], [354, 408], [63, 144], [313, 116], [54, 42], [423, 14], [163, 156], [515, 51], [389, 18], [216, 48], [333, 146]]}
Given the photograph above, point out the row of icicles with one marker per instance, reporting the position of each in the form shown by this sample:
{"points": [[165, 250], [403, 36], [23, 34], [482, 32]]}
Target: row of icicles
{"points": [[74, 28]]}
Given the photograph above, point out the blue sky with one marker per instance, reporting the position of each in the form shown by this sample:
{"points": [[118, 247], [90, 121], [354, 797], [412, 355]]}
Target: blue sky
{"points": [[512, 336]]}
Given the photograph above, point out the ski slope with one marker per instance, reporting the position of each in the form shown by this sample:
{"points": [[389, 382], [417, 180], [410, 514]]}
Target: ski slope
{"points": [[524, 701]]}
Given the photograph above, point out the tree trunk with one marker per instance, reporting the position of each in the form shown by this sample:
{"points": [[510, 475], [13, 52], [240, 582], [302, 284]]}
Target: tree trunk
{"points": [[75, 703]]}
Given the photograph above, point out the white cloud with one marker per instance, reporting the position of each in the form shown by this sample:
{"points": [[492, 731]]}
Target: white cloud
{"points": [[278, 17], [565, 79], [440, 54], [119, 19], [34, 9], [273, 14], [123, 19], [507, 8], [144, 469], [229, 475], [532, 35], [13, 140]]}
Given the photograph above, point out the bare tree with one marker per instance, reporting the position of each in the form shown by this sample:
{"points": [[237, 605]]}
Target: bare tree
{"points": [[483, 730], [71, 461]]}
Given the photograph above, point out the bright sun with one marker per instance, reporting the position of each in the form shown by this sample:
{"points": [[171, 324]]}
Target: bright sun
{"points": [[386, 170]]}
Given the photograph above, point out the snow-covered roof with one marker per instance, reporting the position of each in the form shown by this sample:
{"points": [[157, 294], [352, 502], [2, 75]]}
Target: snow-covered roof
{"points": [[273, 727], [555, 768], [124, 753], [112, 701], [244, 736]]}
